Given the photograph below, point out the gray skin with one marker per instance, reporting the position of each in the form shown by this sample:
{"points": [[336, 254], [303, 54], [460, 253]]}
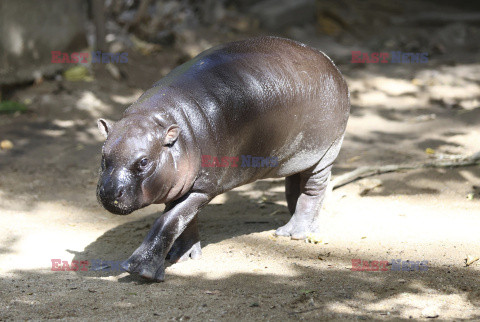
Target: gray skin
{"points": [[266, 97]]}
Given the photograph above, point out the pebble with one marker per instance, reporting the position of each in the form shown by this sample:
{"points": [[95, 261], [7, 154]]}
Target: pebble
{"points": [[6, 145], [430, 312]]}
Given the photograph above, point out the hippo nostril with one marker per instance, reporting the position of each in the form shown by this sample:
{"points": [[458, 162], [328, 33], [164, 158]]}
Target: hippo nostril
{"points": [[120, 193]]}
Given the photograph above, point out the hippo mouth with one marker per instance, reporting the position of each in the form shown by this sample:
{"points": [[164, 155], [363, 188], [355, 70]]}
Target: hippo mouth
{"points": [[117, 207], [119, 210]]}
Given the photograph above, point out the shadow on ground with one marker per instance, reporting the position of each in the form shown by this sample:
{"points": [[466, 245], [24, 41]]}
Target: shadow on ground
{"points": [[309, 292]]}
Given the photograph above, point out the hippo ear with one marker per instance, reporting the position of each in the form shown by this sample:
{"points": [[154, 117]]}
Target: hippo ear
{"points": [[104, 126], [171, 134]]}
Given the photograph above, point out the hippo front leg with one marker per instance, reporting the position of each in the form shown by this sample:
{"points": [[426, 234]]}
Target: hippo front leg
{"points": [[149, 259]]}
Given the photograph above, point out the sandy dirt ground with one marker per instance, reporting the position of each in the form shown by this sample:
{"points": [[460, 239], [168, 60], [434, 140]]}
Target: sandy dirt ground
{"points": [[48, 210]]}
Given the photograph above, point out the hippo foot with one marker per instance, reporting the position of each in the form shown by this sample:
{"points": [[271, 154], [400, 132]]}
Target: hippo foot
{"points": [[152, 269], [181, 252], [296, 230]]}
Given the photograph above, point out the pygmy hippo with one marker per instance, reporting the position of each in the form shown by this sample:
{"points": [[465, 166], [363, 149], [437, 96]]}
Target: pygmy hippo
{"points": [[264, 98]]}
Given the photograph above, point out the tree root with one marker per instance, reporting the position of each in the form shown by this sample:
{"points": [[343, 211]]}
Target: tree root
{"points": [[368, 171]]}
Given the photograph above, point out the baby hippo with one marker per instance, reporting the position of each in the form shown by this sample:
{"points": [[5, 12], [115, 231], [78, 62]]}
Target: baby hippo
{"points": [[253, 109]]}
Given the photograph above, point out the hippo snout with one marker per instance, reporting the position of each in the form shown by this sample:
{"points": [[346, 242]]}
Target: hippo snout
{"points": [[115, 198], [116, 193]]}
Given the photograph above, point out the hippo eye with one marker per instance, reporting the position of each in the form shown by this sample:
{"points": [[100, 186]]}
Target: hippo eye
{"points": [[142, 163]]}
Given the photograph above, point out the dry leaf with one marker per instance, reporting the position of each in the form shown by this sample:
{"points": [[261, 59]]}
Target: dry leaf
{"points": [[470, 260], [353, 159], [315, 239]]}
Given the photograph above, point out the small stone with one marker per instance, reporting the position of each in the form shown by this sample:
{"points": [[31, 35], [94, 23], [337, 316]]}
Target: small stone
{"points": [[368, 185], [430, 312], [6, 145]]}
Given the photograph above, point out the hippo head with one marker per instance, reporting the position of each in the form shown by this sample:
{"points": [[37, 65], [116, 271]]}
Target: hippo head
{"points": [[138, 163]]}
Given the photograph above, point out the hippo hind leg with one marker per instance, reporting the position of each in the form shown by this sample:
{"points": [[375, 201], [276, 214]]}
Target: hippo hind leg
{"points": [[187, 245], [305, 192]]}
